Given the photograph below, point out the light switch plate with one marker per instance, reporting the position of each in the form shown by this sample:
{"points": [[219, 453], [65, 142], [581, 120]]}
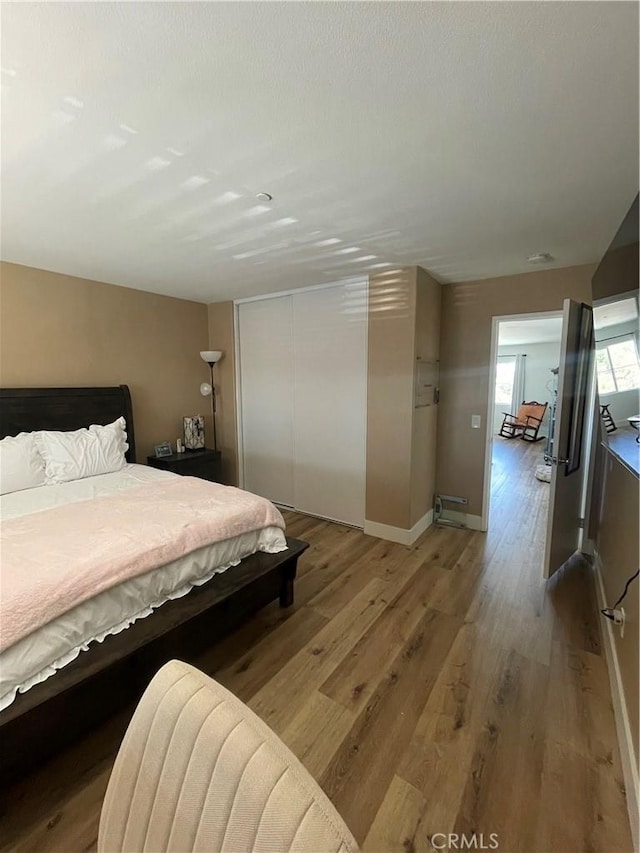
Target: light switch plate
{"points": [[475, 421]]}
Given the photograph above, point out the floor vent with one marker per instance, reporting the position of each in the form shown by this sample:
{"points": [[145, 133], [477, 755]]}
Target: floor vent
{"points": [[440, 510]]}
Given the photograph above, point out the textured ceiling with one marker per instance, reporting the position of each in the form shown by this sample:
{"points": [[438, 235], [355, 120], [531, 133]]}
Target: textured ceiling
{"points": [[459, 136], [517, 332]]}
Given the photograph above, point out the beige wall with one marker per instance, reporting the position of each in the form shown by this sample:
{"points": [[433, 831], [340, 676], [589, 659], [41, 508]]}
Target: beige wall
{"points": [[425, 419], [465, 352], [221, 336], [404, 320], [60, 330], [390, 397], [617, 544]]}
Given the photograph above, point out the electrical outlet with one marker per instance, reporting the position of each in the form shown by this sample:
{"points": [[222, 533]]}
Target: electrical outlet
{"points": [[619, 618]]}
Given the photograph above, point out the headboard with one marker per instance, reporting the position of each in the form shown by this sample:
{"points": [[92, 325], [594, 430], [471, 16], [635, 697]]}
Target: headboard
{"points": [[30, 409]]}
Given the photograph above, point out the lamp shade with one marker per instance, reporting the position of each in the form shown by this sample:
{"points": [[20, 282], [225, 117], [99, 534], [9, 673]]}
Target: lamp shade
{"points": [[211, 356]]}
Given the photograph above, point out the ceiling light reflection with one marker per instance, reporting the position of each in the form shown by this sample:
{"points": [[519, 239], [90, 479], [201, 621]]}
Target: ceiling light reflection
{"points": [[225, 198], [61, 117], [257, 209], [157, 163], [194, 182], [112, 142]]}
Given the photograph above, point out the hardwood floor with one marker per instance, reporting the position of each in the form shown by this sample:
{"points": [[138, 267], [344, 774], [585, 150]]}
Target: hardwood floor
{"points": [[440, 688]]}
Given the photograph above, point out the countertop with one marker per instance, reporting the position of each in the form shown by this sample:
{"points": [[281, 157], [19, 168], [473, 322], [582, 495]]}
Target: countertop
{"points": [[622, 444]]}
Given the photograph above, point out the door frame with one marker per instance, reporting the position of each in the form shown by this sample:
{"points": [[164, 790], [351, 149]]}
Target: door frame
{"points": [[495, 324], [356, 279]]}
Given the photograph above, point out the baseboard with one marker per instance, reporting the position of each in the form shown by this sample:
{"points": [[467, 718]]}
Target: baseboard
{"points": [[623, 727], [588, 547], [471, 522], [402, 535], [315, 515]]}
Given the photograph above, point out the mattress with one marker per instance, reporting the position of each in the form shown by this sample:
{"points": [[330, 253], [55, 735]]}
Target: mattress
{"points": [[43, 652]]}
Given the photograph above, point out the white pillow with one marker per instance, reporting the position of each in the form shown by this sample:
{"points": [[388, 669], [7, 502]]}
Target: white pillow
{"points": [[114, 435], [83, 452], [21, 465]]}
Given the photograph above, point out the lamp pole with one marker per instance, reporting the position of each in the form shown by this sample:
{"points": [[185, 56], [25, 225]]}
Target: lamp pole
{"points": [[213, 405], [212, 357]]}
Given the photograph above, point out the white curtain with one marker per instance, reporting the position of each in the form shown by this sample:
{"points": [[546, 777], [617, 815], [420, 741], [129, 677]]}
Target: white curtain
{"points": [[519, 383]]}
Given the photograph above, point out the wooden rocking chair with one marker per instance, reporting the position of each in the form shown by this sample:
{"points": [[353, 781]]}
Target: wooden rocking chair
{"points": [[526, 424]]}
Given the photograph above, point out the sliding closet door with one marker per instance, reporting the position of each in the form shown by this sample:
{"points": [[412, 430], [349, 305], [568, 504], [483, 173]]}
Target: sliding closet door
{"points": [[330, 382], [266, 392]]}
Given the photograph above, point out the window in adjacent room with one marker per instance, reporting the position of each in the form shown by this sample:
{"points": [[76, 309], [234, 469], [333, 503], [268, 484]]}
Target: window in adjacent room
{"points": [[618, 365], [505, 376]]}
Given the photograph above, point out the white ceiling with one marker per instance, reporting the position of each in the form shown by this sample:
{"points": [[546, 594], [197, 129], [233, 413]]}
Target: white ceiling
{"points": [[459, 136], [615, 313], [518, 332]]}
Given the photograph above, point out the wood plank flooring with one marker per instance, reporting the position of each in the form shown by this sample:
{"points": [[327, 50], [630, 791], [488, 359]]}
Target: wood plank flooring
{"points": [[441, 688]]}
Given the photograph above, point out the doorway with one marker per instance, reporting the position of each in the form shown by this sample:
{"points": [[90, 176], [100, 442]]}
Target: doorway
{"points": [[525, 359]]}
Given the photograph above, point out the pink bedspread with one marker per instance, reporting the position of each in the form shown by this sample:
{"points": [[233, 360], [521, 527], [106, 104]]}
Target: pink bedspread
{"points": [[56, 559]]}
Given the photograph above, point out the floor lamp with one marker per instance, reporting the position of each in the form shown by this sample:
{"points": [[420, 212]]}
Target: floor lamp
{"points": [[212, 357]]}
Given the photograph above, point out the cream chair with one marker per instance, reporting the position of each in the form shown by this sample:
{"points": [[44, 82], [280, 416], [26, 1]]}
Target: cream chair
{"points": [[198, 771]]}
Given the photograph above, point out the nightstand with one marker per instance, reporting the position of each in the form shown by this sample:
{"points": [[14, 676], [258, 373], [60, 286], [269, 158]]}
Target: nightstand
{"points": [[206, 464]]}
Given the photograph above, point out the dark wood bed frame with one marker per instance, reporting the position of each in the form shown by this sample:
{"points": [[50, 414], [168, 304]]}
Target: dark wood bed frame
{"points": [[111, 674]]}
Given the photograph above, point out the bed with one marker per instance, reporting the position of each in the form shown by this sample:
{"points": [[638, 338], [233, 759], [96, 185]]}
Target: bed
{"points": [[64, 676]]}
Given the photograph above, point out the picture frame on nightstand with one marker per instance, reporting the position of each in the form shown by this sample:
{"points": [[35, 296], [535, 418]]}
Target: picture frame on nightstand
{"points": [[161, 450]]}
